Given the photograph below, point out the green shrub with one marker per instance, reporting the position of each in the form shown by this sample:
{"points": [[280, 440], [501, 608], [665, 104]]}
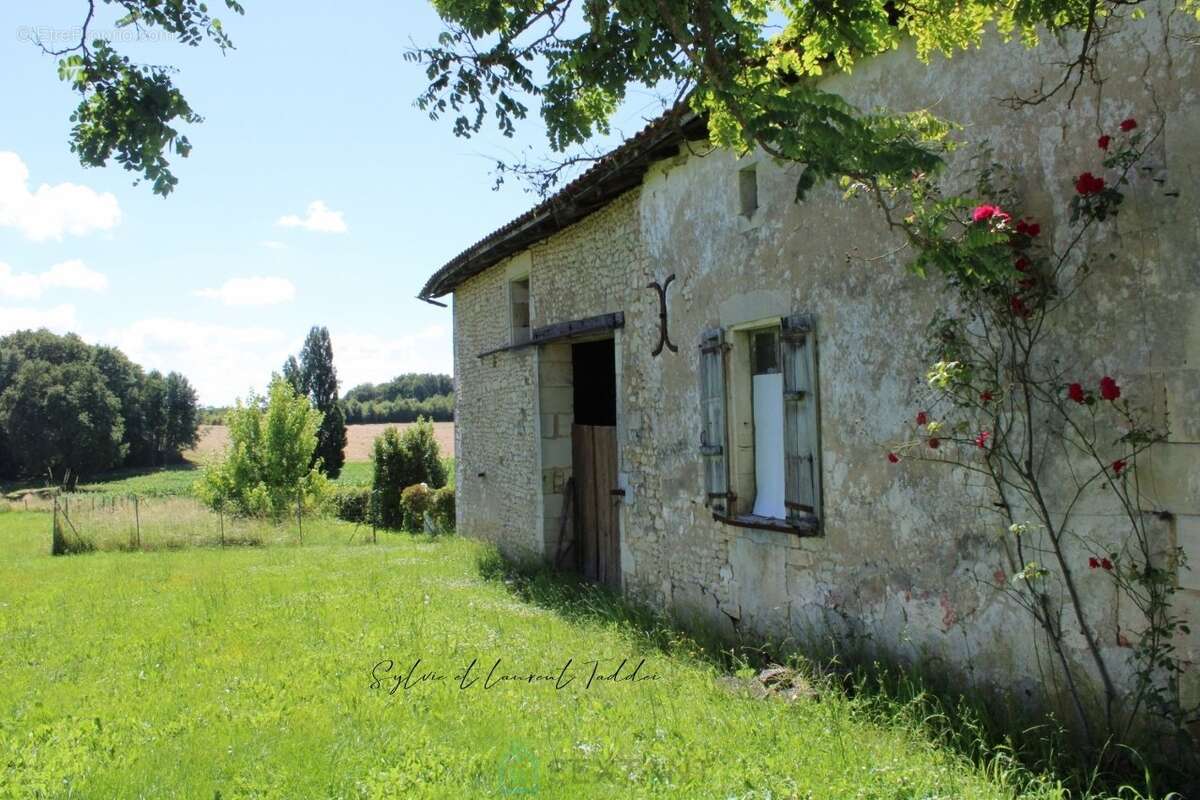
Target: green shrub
{"points": [[414, 501], [267, 468], [351, 503], [403, 460], [441, 508]]}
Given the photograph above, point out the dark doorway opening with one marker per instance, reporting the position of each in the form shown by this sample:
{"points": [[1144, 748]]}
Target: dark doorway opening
{"points": [[594, 461], [594, 367]]}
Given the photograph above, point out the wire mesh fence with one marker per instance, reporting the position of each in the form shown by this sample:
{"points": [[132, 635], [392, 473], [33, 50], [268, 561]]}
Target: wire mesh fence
{"points": [[83, 523]]}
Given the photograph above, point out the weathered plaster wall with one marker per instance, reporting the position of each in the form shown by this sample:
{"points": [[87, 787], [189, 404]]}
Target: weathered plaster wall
{"points": [[905, 563]]}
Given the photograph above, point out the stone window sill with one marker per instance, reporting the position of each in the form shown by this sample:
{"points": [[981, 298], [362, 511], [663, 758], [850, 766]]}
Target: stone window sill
{"points": [[808, 527]]}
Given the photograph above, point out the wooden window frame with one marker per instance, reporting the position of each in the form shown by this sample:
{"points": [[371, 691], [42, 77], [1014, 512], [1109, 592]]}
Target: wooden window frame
{"points": [[738, 402]]}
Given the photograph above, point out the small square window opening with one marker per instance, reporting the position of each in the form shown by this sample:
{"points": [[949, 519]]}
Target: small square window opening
{"points": [[519, 300], [748, 191]]}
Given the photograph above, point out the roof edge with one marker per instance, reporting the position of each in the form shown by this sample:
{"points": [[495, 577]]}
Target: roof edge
{"points": [[615, 173]]}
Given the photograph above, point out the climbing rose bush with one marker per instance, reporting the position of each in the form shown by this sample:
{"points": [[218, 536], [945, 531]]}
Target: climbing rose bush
{"points": [[1003, 407]]}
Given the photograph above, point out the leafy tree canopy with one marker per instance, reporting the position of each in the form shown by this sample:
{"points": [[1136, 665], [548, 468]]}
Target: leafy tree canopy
{"points": [[752, 65], [267, 468], [411, 385], [128, 112], [405, 398], [68, 408]]}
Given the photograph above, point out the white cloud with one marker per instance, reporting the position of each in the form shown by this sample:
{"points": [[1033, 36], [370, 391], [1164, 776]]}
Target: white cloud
{"points": [[254, 291], [368, 358], [72, 274], [60, 319], [222, 362], [320, 218], [51, 211]]}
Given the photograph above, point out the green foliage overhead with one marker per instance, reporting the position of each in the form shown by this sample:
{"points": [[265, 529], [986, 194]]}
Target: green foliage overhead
{"points": [[57, 418], [129, 112], [754, 66], [267, 467]]}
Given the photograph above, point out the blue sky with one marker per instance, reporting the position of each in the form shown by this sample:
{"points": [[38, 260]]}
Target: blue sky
{"points": [[314, 106]]}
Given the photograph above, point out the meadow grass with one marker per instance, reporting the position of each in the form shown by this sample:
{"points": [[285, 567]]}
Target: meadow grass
{"points": [[89, 522], [172, 481], [263, 673], [361, 473]]}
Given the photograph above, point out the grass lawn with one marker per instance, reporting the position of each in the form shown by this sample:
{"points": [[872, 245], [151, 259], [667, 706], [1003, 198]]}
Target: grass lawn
{"points": [[361, 473], [177, 480], [356, 473], [247, 673]]}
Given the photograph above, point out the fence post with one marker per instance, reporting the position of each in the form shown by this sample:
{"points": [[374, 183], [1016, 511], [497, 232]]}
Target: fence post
{"points": [[299, 519], [54, 529], [137, 521]]}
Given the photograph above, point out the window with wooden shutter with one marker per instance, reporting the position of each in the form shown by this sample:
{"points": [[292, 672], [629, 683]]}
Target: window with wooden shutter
{"points": [[713, 435], [802, 450]]}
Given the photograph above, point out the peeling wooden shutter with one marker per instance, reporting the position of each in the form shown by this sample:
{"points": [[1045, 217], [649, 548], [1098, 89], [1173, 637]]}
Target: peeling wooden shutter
{"points": [[712, 406], [801, 447]]}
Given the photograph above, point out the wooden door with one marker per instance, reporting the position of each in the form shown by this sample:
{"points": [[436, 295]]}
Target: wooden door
{"points": [[594, 456]]}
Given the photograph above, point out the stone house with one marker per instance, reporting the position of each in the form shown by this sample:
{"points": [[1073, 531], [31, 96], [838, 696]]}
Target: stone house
{"points": [[720, 453]]}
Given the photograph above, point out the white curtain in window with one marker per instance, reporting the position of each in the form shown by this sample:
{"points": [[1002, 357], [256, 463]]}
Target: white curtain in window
{"points": [[768, 446]]}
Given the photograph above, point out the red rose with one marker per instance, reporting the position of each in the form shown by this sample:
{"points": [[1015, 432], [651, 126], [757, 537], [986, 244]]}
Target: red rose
{"points": [[922, 418], [1018, 306], [1103, 141], [984, 212], [893, 458], [1001, 216], [1030, 229], [1094, 562], [1087, 184], [982, 439], [985, 397], [1128, 124], [1118, 465], [1109, 389], [1106, 564], [934, 443], [1075, 392], [1027, 283], [1022, 264]]}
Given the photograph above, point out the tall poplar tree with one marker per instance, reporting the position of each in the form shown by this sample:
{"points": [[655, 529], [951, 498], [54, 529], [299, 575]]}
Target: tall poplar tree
{"points": [[315, 377]]}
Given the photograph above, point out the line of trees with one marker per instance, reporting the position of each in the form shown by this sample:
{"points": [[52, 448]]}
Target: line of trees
{"points": [[69, 409], [402, 399]]}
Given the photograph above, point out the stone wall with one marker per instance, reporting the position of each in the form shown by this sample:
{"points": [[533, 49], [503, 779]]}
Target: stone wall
{"points": [[496, 435], [907, 562]]}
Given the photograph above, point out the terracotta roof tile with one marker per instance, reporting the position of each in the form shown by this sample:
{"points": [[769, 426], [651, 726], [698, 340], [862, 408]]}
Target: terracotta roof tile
{"points": [[614, 174]]}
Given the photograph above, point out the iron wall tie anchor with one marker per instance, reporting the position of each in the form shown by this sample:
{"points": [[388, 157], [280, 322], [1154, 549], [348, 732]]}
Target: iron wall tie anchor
{"points": [[664, 337]]}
